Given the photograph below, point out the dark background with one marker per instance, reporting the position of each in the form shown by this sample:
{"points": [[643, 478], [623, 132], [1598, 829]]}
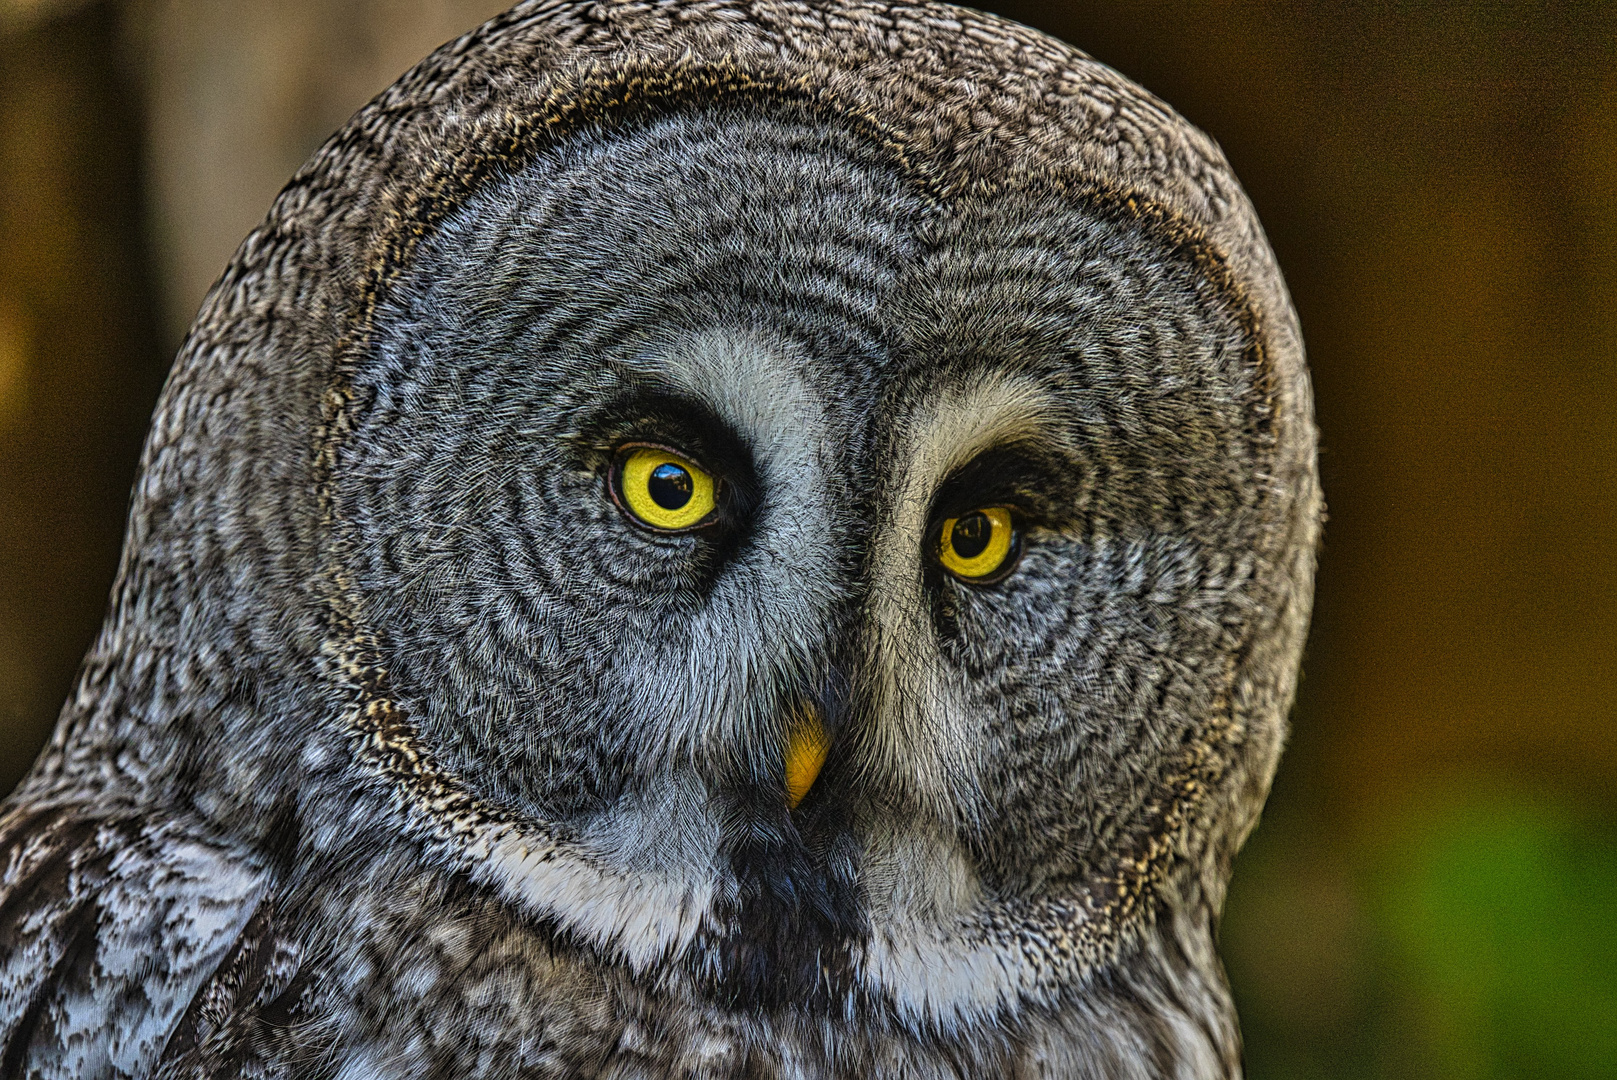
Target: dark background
{"points": [[1433, 891]]}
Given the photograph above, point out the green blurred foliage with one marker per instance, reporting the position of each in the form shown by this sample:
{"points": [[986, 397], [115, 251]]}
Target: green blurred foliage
{"points": [[1471, 935], [1500, 919]]}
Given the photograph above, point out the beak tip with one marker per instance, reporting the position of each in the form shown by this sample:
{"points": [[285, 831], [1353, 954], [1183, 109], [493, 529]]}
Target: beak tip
{"points": [[806, 750]]}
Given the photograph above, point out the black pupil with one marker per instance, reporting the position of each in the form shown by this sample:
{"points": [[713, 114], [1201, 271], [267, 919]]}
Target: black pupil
{"points": [[971, 534], [670, 486]]}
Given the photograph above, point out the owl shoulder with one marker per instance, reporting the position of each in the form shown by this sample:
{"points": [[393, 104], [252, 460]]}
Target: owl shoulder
{"points": [[125, 939]]}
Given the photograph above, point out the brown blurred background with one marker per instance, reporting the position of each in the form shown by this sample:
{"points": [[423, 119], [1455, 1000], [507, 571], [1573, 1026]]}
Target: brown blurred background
{"points": [[1433, 891]]}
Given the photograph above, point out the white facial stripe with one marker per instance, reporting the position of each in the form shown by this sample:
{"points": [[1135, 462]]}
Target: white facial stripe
{"points": [[925, 735], [927, 952], [771, 603], [936, 980], [639, 917], [947, 972], [758, 387]]}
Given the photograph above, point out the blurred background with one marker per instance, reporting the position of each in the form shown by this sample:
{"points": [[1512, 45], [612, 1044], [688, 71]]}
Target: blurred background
{"points": [[1433, 890]]}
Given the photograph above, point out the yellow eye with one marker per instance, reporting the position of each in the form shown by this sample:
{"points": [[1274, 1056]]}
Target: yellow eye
{"points": [[662, 490], [980, 545]]}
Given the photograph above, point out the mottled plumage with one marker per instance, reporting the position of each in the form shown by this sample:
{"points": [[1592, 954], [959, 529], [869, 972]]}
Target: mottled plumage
{"points": [[406, 752]]}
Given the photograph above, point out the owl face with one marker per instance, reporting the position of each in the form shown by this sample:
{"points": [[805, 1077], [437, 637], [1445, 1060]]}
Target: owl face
{"points": [[830, 572]]}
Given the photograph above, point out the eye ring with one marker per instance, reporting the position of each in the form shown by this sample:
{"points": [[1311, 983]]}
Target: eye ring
{"points": [[662, 490], [981, 546]]}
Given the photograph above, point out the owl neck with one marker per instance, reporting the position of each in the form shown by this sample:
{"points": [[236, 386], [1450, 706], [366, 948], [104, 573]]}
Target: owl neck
{"points": [[1157, 1005], [936, 961], [1159, 1008]]}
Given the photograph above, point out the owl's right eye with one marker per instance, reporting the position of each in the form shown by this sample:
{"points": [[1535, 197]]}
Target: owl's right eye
{"points": [[661, 490]]}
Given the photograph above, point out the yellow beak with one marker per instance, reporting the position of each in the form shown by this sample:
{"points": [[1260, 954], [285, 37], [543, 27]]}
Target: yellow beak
{"points": [[806, 747]]}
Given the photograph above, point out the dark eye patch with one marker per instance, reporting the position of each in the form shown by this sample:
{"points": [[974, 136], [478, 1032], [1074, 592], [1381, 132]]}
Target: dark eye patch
{"points": [[1043, 485], [653, 412]]}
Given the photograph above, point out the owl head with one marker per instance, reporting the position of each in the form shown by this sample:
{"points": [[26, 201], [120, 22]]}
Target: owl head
{"points": [[814, 508]]}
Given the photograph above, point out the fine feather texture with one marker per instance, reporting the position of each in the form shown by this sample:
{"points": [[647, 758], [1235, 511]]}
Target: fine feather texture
{"points": [[404, 752]]}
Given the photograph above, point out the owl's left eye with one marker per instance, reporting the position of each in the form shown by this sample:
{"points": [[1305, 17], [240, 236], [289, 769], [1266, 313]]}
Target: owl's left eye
{"points": [[662, 490], [980, 547]]}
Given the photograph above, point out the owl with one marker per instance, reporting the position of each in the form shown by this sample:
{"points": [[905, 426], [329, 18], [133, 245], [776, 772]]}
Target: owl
{"points": [[700, 538]]}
